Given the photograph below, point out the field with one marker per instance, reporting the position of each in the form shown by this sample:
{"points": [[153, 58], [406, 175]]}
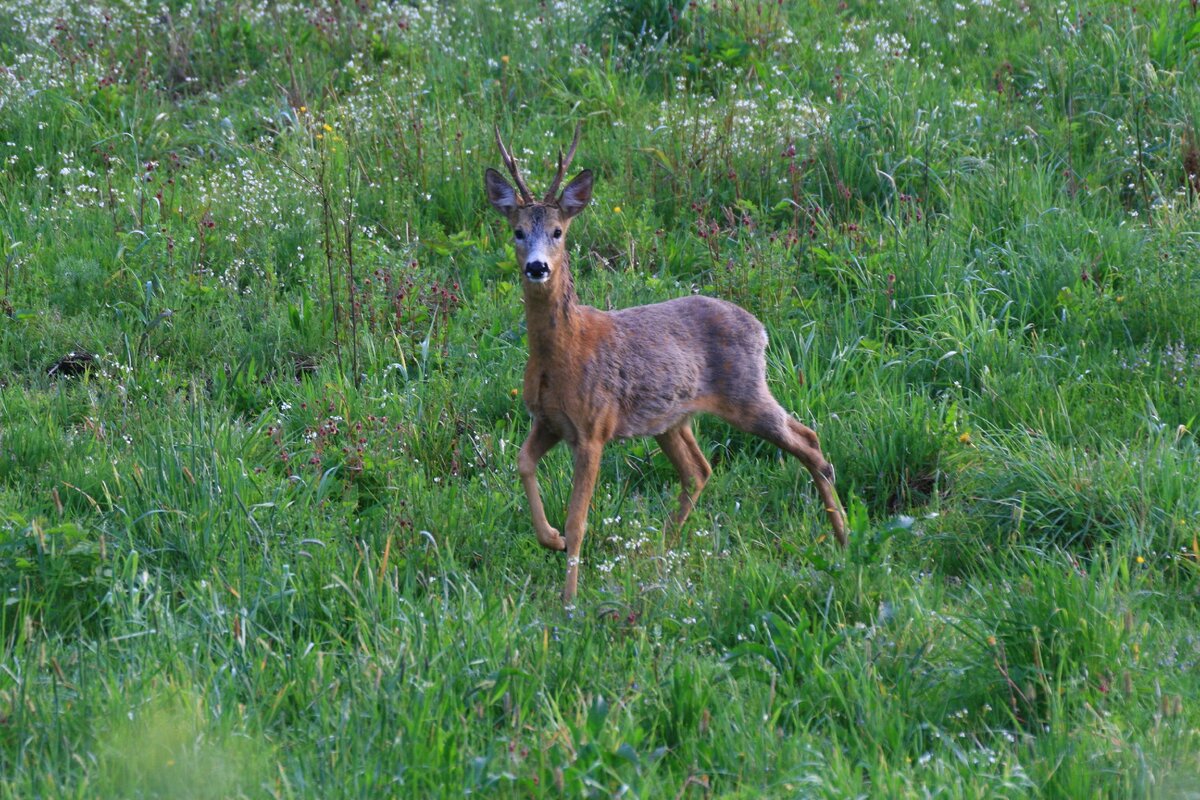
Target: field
{"points": [[261, 338]]}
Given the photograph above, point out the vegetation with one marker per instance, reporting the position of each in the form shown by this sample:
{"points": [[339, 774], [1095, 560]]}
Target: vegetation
{"points": [[261, 533]]}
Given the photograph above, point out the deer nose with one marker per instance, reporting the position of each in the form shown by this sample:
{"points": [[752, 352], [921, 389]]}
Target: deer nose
{"points": [[537, 271]]}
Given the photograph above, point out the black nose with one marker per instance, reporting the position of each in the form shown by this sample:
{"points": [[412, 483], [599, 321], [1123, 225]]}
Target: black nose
{"points": [[537, 270]]}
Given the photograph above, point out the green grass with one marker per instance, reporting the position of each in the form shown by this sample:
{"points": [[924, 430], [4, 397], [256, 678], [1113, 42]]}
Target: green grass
{"points": [[265, 537]]}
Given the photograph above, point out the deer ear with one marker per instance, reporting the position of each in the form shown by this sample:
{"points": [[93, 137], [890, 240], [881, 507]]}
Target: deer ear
{"points": [[500, 194], [577, 194]]}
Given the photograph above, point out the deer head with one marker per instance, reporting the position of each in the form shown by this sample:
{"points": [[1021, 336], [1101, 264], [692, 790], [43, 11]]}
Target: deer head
{"points": [[539, 227]]}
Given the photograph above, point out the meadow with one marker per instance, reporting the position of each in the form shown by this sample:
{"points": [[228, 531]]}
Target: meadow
{"points": [[261, 344]]}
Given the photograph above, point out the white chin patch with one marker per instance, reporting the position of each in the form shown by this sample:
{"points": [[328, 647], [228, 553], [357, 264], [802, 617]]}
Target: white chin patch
{"points": [[538, 279]]}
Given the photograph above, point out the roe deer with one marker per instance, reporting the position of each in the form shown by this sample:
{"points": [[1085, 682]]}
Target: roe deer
{"points": [[594, 376]]}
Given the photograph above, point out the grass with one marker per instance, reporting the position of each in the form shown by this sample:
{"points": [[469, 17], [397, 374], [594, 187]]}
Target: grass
{"points": [[261, 533]]}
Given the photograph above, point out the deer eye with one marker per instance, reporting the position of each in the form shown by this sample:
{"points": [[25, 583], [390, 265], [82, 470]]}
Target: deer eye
{"points": [[520, 234], [558, 233]]}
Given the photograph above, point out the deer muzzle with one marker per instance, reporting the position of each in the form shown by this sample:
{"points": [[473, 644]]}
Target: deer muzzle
{"points": [[537, 271]]}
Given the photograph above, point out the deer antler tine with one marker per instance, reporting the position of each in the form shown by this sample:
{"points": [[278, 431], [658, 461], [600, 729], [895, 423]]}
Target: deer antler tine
{"points": [[511, 164], [563, 165]]}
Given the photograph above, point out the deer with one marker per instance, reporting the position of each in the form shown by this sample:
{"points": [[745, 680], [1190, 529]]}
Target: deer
{"points": [[594, 376]]}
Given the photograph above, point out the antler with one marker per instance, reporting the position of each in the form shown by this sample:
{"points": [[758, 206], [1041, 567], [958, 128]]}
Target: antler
{"points": [[562, 165], [511, 163]]}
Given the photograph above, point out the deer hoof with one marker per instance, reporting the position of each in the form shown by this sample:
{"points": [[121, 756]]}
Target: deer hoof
{"points": [[552, 540]]}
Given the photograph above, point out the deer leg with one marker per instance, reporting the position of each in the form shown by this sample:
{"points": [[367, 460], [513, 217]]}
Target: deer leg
{"points": [[680, 447], [697, 455], [539, 441], [773, 424], [822, 472], [587, 466]]}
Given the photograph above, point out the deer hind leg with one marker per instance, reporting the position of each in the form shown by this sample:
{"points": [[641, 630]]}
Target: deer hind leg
{"points": [[823, 474], [587, 466], [679, 445], [537, 444], [771, 422], [697, 454]]}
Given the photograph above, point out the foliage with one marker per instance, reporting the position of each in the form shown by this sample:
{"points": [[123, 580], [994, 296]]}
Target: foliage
{"points": [[261, 340]]}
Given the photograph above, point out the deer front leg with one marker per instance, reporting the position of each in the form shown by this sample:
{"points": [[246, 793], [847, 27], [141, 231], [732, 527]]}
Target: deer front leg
{"points": [[587, 465], [537, 444]]}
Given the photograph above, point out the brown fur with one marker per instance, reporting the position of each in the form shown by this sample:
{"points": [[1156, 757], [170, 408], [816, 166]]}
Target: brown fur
{"points": [[595, 376]]}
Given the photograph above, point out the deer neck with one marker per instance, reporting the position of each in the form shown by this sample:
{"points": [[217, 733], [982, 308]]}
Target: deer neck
{"points": [[551, 315]]}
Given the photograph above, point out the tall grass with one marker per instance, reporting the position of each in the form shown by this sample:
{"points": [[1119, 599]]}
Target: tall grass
{"points": [[261, 533]]}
